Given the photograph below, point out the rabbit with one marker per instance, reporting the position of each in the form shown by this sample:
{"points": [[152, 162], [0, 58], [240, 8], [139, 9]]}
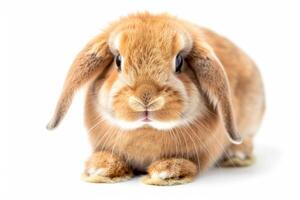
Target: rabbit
{"points": [[165, 97]]}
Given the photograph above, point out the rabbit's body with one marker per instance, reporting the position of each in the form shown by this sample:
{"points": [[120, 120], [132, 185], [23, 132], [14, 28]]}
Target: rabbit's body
{"points": [[204, 141], [188, 115]]}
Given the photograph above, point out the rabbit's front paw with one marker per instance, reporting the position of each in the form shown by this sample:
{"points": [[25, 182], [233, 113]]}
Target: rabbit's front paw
{"points": [[172, 171], [104, 167]]}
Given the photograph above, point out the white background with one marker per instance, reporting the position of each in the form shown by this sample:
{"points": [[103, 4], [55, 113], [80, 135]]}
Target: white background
{"points": [[38, 42]]}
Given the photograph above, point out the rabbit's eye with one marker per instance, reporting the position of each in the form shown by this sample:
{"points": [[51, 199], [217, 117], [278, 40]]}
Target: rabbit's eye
{"points": [[118, 62], [178, 63]]}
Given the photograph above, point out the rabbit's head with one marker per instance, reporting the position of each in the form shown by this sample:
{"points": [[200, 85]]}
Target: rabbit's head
{"points": [[158, 69]]}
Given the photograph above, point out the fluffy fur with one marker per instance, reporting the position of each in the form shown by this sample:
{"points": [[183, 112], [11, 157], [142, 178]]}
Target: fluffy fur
{"points": [[193, 117]]}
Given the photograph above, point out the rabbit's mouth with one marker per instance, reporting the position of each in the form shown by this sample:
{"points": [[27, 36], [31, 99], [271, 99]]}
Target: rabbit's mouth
{"points": [[146, 116], [146, 119]]}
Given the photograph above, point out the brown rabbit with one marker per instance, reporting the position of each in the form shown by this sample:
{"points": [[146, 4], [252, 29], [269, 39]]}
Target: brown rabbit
{"points": [[165, 97]]}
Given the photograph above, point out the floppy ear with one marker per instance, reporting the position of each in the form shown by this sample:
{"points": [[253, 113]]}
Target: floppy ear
{"points": [[213, 81], [91, 61]]}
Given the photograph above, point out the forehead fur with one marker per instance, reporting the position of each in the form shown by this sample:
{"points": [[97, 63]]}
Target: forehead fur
{"points": [[146, 31]]}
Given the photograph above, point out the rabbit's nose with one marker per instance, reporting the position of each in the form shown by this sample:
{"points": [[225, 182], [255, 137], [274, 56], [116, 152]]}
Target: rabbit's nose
{"points": [[146, 93], [139, 105], [146, 98]]}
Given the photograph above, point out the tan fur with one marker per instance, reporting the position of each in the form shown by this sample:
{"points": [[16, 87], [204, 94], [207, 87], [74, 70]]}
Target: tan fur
{"points": [[170, 172], [218, 79], [113, 168]]}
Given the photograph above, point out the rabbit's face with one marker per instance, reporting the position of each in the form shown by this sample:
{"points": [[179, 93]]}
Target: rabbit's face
{"points": [[149, 85]]}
